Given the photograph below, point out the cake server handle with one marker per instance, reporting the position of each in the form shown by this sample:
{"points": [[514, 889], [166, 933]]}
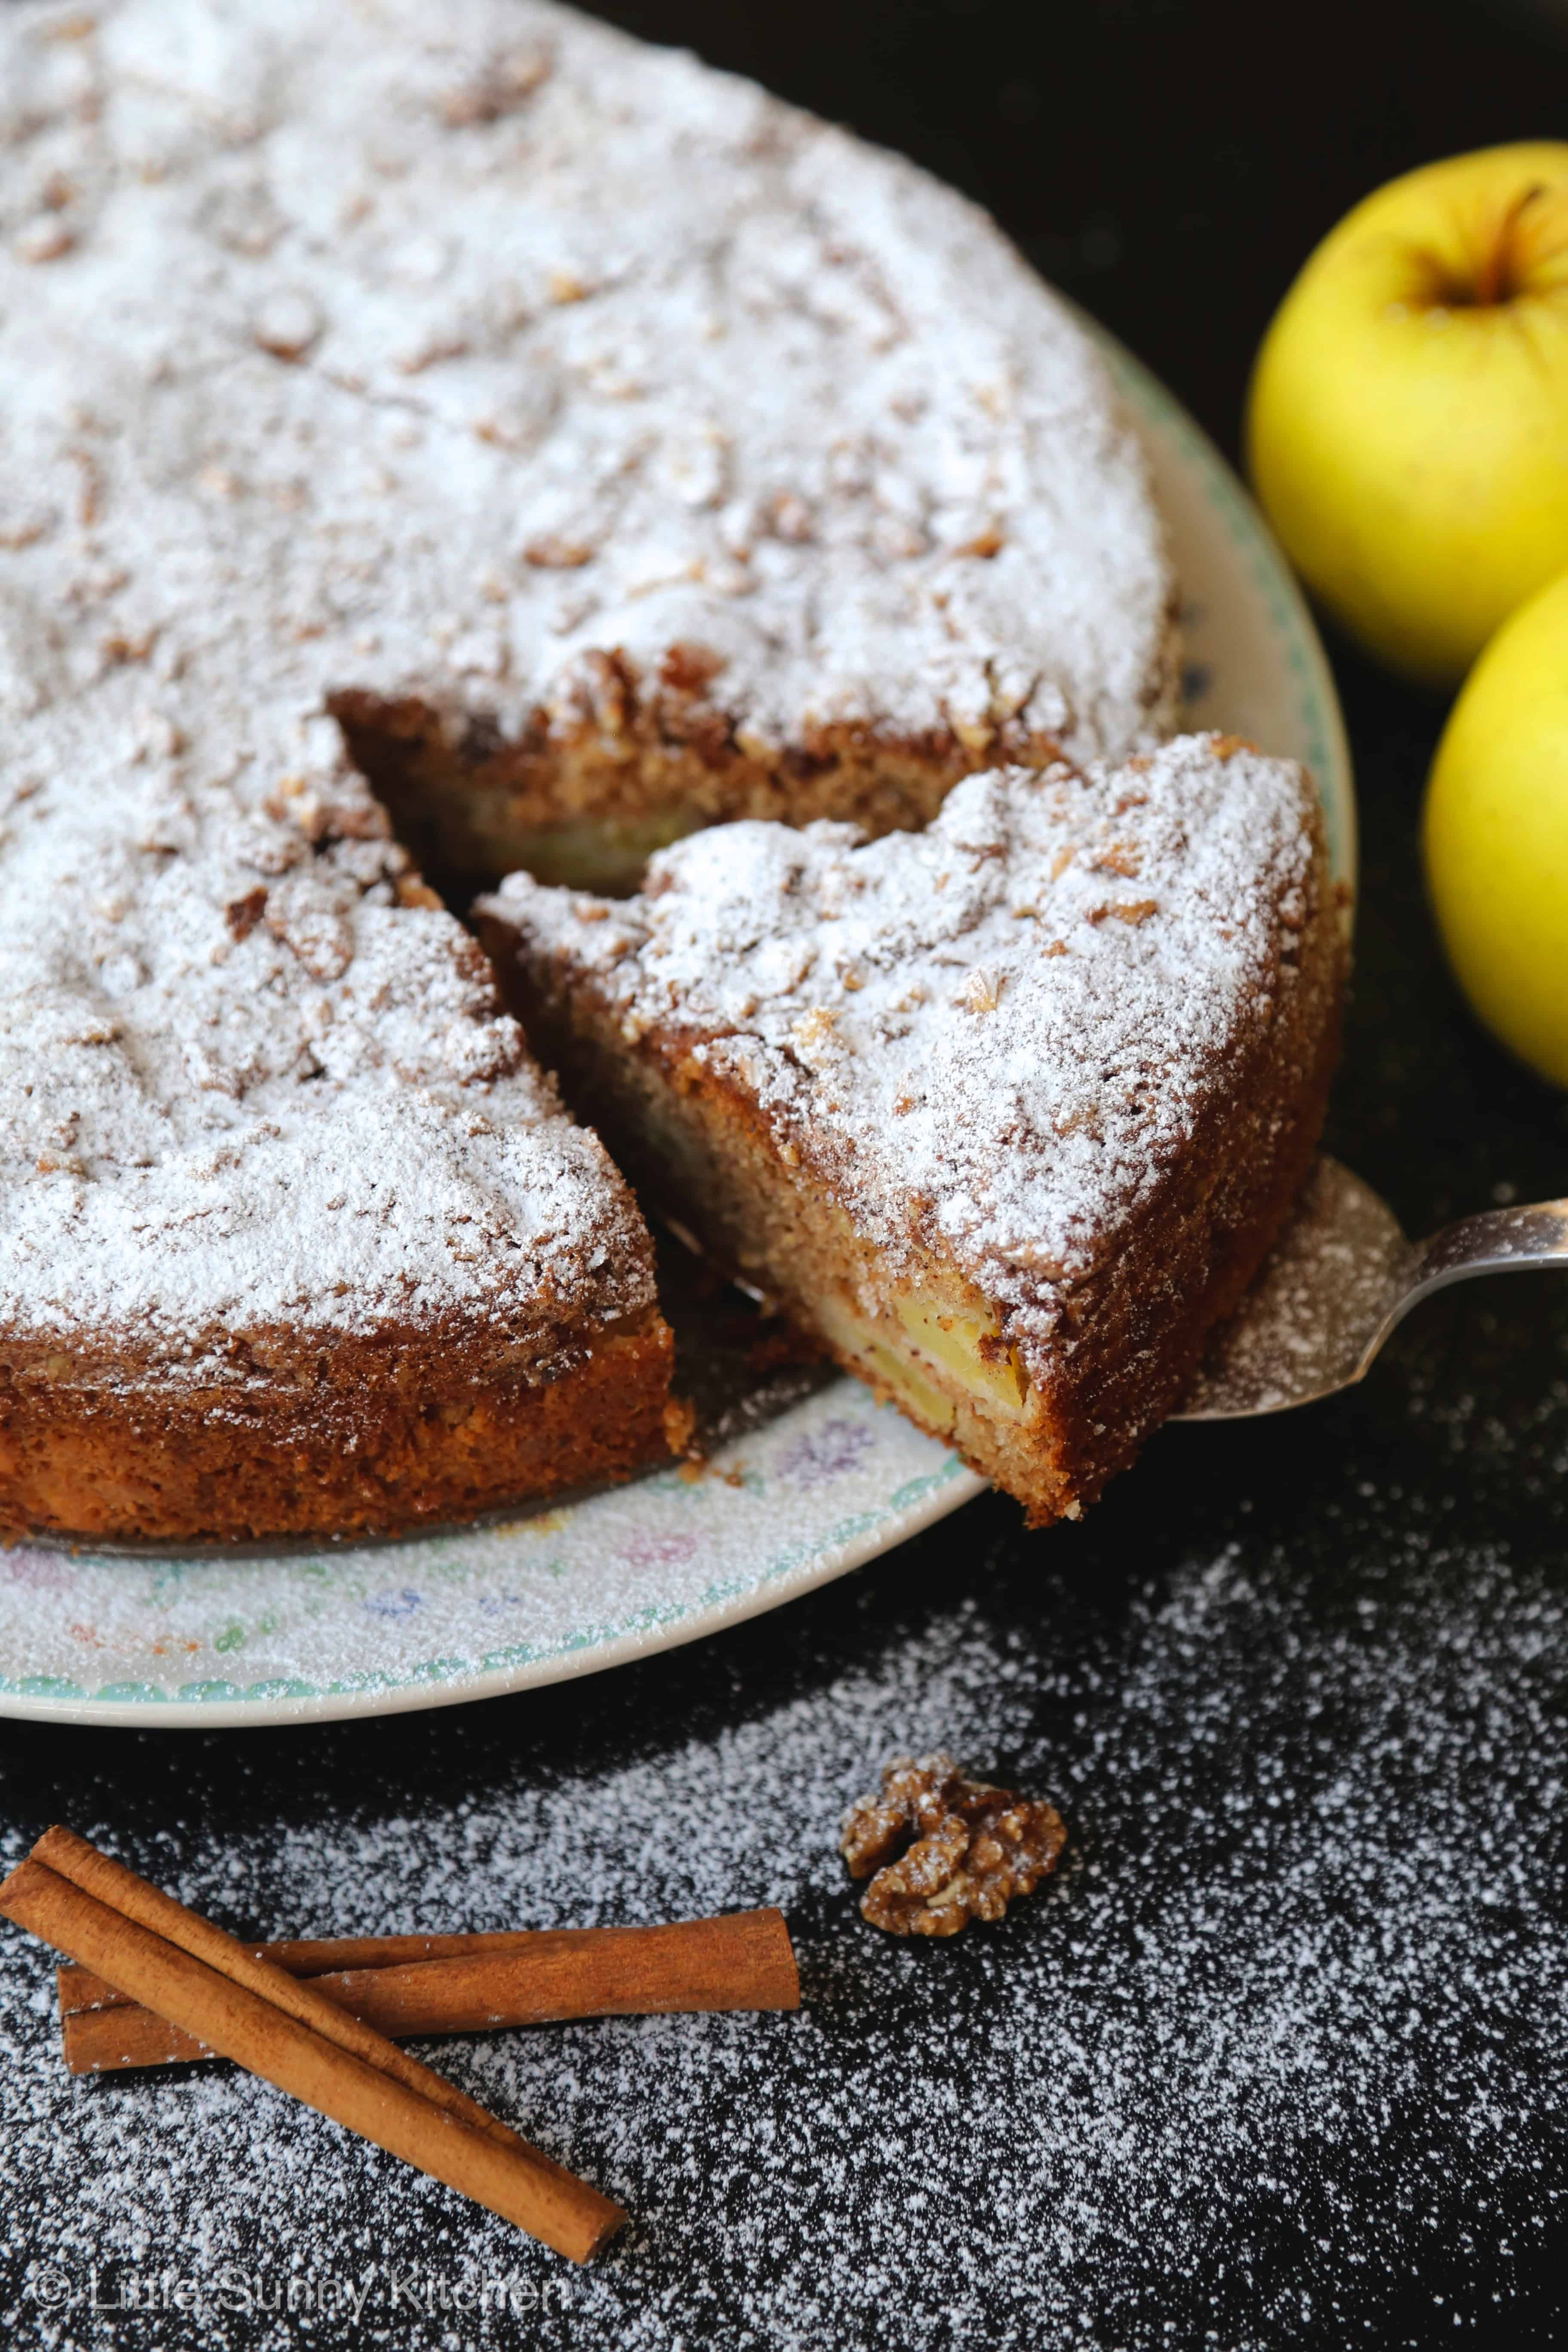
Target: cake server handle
{"points": [[1495, 1240], [1341, 1278]]}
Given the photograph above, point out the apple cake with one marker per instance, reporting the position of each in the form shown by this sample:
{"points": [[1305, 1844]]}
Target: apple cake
{"points": [[435, 441], [1006, 1113]]}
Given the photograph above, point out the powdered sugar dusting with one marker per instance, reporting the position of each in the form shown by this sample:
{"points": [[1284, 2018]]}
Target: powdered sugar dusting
{"points": [[345, 347], [509, 339], [1010, 1021], [244, 1087]]}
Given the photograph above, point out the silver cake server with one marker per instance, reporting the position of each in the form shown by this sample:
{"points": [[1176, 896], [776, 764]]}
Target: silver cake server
{"points": [[1337, 1283]]}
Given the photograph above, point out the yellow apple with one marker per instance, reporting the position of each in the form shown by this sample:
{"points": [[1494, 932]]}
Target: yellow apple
{"points": [[1407, 423], [1496, 834]]}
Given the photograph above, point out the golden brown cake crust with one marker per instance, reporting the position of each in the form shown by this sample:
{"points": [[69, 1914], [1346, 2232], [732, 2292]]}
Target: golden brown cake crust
{"points": [[374, 1437]]}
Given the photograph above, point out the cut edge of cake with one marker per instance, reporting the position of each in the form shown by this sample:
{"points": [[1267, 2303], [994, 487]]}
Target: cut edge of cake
{"points": [[588, 793]]}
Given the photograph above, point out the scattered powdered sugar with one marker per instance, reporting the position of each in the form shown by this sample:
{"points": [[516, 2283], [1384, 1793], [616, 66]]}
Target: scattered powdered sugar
{"points": [[1299, 1986], [1008, 1023]]}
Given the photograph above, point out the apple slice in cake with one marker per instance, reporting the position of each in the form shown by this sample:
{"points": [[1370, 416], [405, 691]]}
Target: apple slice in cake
{"points": [[1007, 1113]]}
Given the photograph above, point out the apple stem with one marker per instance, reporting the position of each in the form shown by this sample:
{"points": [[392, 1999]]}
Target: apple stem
{"points": [[1494, 283]]}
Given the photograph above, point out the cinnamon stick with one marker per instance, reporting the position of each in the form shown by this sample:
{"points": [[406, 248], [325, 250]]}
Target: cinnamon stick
{"points": [[102, 1915], [319, 1955], [522, 1977]]}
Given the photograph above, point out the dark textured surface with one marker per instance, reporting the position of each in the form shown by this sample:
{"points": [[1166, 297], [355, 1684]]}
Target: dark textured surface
{"points": [[1300, 1687]]}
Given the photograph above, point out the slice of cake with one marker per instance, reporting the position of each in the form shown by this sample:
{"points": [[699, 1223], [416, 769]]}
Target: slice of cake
{"points": [[1006, 1113]]}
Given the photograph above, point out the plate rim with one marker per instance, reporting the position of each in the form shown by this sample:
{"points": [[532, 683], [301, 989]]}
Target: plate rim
{"points": [[1332, 768], [950, 1487], [947, 1487]]}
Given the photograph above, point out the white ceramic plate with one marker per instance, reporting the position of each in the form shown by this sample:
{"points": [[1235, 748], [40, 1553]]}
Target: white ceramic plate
{"points": [[828, 1482]]}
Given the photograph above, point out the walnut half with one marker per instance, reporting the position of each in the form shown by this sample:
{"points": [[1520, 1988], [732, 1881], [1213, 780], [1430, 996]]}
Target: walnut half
{"points": [[963, 1849]]}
